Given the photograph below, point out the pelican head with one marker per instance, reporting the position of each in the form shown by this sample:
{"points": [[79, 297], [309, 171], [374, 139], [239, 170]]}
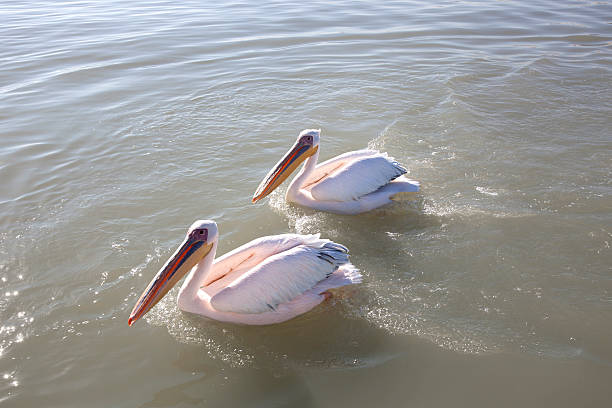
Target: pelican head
{"points": [[305, 146], [197, 244]]}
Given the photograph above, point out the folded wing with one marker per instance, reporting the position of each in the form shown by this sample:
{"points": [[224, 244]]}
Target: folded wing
{"points": [[281, 277], [354, 175]]}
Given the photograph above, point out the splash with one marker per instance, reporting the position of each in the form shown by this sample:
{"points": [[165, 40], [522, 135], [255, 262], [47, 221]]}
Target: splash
{"points": [[189, 331], [301, 342]]}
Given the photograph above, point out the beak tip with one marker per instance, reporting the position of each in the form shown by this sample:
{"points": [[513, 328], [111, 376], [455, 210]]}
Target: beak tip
{"points": [[130, 321]]}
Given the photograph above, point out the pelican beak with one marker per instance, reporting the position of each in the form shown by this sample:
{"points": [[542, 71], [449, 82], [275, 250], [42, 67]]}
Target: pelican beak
{"points": [[299, 152], [191, 251]]}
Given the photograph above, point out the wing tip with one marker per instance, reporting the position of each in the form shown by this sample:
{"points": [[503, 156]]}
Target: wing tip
{"points": [[334, 253], [336, 246], [399, 167]]}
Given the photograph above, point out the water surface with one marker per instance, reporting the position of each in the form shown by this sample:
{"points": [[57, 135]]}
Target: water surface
{"points": [[122, 123]]}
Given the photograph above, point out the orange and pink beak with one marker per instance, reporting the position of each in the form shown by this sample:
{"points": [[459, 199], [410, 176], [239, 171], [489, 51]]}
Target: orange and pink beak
{"points": [[190, 253], [299, 152]]}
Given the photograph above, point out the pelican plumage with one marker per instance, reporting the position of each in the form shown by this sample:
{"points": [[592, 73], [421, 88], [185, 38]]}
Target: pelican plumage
{"points": [[268, 280], [350, 183]]}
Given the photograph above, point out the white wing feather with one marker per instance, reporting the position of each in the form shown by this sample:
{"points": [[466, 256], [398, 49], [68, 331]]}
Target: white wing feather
{"points": [[250, 254], [281, 277], [331, 165], [362, 175]]}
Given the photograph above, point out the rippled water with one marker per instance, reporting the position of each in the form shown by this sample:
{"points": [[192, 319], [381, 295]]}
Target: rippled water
{"points": [[123, 123]]}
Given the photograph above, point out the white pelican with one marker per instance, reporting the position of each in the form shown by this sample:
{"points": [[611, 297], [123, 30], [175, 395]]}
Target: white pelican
{"points": [[351, 183], [268, 280]]}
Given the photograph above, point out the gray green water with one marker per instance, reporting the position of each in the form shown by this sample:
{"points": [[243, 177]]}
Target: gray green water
{"points": [[122, 123]]}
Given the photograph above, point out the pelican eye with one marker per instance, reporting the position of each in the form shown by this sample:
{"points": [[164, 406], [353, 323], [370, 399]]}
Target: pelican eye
{"points": [[200, 233]]}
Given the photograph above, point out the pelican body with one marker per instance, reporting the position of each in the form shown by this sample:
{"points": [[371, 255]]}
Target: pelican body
{"points": [[350, 183], [268, 280]]}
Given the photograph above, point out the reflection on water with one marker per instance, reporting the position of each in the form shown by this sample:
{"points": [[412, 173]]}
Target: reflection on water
{"points": [[123, 123]]}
